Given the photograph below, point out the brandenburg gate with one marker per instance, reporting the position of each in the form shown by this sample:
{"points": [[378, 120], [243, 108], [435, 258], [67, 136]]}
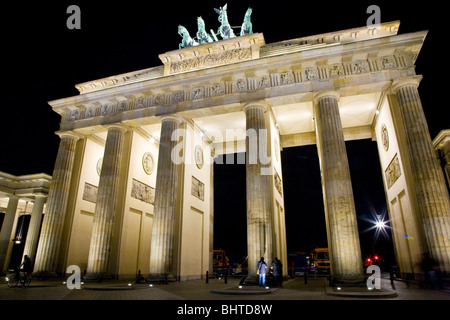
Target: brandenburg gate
{"points": [[132, 187]]}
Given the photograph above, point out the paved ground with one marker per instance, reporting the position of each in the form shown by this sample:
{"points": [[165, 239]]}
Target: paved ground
{"points": [[294, 295], [293, 289]]}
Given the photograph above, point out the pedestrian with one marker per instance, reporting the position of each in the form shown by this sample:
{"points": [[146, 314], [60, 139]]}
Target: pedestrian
{"points": [[26, 264], [280, 273], [392, 275], [429, 267], [277, 271], [262, 267]]}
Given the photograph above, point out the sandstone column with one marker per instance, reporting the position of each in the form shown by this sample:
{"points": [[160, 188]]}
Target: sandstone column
{"points": [[34, 227], [5, 234], [164, 212], [431, 192], [259, 214], [105, 208], [342, 228], [52, 226]]}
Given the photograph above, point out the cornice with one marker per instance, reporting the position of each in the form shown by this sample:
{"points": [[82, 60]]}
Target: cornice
{"points": [[136, 84], [381, 59], [441, 139]]}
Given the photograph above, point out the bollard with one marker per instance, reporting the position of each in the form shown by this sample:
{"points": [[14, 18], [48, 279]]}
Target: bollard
{"points": [[207, 277], [165, 278], [226, 277], [138, 277], [305, 274]]}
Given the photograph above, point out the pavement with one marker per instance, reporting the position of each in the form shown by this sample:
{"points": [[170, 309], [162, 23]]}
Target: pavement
{"points": [[178, 297]]}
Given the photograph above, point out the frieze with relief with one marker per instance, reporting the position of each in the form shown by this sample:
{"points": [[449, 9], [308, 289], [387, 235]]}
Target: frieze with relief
{"points": [[393, 172], [200, 91], [384, 137], [143, 192], [211, 60], [198, 188]]}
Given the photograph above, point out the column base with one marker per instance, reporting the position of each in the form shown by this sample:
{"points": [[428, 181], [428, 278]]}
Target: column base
{"points": [[97, 276], [348, 281], [252, 280], [45, 275], [160, 278]]}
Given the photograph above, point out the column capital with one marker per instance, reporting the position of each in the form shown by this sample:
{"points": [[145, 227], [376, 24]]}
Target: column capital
{"points": [[117, 126], [329, 93], [172, 117], [69, 134], [262, 104], [40, 196], [399, 83]]}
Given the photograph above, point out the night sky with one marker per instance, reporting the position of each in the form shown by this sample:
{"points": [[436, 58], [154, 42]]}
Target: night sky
{"points": [[42, 60]]}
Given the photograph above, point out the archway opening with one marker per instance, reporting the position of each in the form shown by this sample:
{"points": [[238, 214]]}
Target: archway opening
{"points": [[230, 208], [304, 213], [370, 202], [19, 240], [304, 208], [305, 216]]}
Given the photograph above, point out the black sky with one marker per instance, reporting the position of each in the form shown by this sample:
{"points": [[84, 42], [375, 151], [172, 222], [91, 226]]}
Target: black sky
{"points": [[42, 60]]}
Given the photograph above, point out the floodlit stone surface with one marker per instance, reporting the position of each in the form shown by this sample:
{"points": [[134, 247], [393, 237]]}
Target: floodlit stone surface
{"points": [[342, 228], [161, 258], [259, 210], [119, 205], [52, 226], [105, 210], [432, 194]]}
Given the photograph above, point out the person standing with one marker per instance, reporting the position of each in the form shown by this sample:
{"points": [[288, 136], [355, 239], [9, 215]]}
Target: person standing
{"points": [[262, 268], [429, 267], [277, 271]]}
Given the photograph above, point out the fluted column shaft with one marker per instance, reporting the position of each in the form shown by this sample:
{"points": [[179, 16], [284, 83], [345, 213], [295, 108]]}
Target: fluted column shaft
{"points": [[52, 226], [105, 208], [5, 233], [259, 215], [34, 227], [343, 238], [164, 212], [431, 192]]}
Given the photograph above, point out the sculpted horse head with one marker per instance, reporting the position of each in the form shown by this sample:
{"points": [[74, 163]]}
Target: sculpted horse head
{"points": [[187, 41], [202, 35], [225, 29], [247, 27]]}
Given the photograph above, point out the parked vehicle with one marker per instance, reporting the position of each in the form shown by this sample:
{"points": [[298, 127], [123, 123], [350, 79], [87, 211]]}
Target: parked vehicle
{"points": [[299, 263], [221, 264], [321, 260]]}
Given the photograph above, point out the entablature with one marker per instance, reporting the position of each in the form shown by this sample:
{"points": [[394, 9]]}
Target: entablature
{"points": [[235, 50], [25, 185], [351, 65]]}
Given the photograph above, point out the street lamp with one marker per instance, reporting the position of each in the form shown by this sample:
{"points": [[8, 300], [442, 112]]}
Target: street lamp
{"points": [[380, 224]]}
